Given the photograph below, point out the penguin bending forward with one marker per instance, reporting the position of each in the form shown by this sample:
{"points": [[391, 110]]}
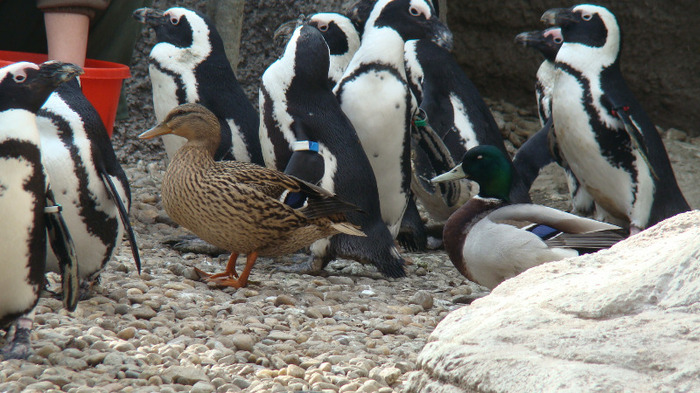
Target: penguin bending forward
{"points": [[23, 89], [305, 133], [458, 115], [189, 65], [603, 133], [87, 179], [375, 96]]}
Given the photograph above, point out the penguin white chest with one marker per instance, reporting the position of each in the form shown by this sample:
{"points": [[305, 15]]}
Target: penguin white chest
{"points": [[16, 206], [376, 104], [611, 186], [164, 100]]}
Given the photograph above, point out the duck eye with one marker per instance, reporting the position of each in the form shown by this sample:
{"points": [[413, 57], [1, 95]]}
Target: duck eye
{"points": [[414, 11], [479, 157], [20, 78], [323, 27], [586, 16]]}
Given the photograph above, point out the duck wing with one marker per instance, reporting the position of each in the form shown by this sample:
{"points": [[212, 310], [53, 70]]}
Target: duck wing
{"points": [[557, 219]]}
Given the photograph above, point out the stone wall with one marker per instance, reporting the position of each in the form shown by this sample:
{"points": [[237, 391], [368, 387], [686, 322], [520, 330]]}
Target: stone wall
{"points": [[661, 52]]}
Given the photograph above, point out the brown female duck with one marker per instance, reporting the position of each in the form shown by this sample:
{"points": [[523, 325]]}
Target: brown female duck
{"points": [[241, 207]]}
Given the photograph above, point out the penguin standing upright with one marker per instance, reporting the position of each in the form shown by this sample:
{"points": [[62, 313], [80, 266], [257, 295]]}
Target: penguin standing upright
{"points": [[375, 96], [342, 38], [314, 140], [459, 116], [87, 179], [189, 65], [541, 149], [23, 89], [608, 141]]}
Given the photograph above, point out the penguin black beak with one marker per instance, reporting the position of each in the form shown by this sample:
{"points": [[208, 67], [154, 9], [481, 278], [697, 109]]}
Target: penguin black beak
{"points": [[559, 17], [441, 35], [58, 72], [149, 16], [527, 38]]}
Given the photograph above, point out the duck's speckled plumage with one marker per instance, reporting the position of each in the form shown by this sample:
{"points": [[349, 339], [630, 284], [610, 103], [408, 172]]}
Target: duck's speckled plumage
{"points": [[239, 206]]}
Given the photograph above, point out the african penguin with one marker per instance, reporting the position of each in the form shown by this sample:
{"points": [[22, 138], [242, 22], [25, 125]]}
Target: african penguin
{"points": [[459, 116], [189, 64], [305, 133], [548, 42], [87, 179], [603, 133], [342, 38], [23, 89], [375, 96]]}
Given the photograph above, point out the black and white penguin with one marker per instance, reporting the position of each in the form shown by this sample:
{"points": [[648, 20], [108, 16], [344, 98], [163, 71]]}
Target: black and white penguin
{"points": [[342, 38], [189, 65], [375, 95], [87, 179], [23, 89], [541, 149], [457, 113], [602, 132], [305, 133]]}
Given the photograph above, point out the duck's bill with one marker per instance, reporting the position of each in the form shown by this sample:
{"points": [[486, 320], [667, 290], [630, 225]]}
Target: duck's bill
{"points": [[456, 173], [154, 132]]}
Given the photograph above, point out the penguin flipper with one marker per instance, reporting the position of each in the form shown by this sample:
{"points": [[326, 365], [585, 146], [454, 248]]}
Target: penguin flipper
{"points": [[124, 215], [64, 249], [430, 158], [622, 112]]}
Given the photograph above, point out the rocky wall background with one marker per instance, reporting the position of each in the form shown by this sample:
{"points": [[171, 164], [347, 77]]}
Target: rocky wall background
{"points": [[661, 52]]}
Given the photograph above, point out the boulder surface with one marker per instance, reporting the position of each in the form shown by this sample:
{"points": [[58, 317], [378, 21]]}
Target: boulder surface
{"points": [[625, 319]]}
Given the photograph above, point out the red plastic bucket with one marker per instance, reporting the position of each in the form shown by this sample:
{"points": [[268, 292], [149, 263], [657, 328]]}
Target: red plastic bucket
{"points": [[101, 83]]}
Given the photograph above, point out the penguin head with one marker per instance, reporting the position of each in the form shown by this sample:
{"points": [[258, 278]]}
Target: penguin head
{"points": [[193, 122], [546, 41], [26, 85], [589, 27], [359, 12], [339, 32], [179, 29], [412, 19]]}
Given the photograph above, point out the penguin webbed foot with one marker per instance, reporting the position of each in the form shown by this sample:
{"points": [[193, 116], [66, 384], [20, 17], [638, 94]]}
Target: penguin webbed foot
{"points": [[312, 266], [193, 244], [19, 345]]}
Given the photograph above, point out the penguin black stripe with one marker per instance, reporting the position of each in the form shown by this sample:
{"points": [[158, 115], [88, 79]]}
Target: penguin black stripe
{"points": [[365, 68], [107, 228], [614, 145], [35, 184], [180, 91]]}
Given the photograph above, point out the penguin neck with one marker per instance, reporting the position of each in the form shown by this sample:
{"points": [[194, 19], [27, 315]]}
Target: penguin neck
{"points": [[380, 45], [590, 59], [19, 124]]}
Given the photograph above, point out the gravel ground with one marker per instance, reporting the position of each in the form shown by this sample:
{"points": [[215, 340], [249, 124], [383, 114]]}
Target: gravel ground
{"points": [[349, 331]]}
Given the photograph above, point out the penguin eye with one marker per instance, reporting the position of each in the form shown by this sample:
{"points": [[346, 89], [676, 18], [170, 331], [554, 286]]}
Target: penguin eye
{"points": [[558, 40], [174, 20], [323, 27], [414, 11], [586, 16], [20, 78]]}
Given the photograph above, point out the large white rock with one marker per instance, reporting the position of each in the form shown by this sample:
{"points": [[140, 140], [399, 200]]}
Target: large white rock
{"points": [[621, 320]]}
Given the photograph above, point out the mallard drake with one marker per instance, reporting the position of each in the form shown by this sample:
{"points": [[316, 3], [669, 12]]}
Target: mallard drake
{"points": [[489, 239], [241, 207]]}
